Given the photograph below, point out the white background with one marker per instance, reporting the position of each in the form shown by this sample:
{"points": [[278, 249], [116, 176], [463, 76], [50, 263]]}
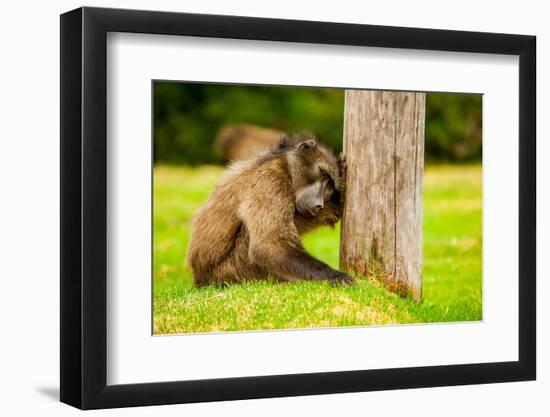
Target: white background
{"points": [[29, 225], [133, 60]]}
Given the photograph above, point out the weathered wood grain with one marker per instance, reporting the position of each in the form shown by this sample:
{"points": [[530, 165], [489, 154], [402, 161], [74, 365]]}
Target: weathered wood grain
{"points": [[382, 222]]}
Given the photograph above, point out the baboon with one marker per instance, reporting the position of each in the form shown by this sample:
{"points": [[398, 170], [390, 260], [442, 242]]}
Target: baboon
{"points": [[242, 141], [250, 226]]}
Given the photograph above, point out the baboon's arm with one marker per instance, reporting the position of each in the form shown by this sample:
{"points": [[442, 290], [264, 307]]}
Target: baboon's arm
{"points": [[275, 244]]}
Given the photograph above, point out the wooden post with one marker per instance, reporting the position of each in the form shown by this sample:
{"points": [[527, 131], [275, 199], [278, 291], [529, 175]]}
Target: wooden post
{"points": [[382, 223]]}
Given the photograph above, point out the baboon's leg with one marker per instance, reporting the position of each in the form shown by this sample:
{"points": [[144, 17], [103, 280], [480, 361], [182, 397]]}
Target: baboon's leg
{"points": [[275, 245], [230, 272], [236, 266]]}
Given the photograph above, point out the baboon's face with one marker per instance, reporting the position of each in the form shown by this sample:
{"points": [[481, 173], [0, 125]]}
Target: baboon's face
{"points": [[317, 182], [310, 200]]}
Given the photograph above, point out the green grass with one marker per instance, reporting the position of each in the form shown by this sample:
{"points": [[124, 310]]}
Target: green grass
{"points": [[451, 274]]}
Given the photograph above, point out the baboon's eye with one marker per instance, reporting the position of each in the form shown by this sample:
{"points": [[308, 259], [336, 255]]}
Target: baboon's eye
{"points": [[324, 174], [329, 190]]}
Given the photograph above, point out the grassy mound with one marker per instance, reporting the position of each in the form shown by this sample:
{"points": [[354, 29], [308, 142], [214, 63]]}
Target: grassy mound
{"points": [[451, 275]]}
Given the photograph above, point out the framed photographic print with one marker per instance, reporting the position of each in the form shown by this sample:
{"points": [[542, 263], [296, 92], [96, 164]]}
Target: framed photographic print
{"points": [[256, 208]]}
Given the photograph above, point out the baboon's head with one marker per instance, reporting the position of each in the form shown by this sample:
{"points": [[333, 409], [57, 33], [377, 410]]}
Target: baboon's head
{"points": [[314, 171]]}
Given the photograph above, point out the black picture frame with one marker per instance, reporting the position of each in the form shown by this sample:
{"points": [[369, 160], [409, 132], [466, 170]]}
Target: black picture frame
{"points": [[84, 207]]}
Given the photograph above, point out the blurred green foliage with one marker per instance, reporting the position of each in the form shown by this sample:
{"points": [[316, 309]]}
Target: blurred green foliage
{"points": [[453, 127], [187, 117]]}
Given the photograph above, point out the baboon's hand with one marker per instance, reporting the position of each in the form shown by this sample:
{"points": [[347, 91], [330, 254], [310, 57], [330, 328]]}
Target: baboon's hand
{"points": [[342, 279], [342, 165], [342, 171]]}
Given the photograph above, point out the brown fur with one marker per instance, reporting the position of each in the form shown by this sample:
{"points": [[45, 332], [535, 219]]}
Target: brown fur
{"points": [[243, 141], [250, 228]]}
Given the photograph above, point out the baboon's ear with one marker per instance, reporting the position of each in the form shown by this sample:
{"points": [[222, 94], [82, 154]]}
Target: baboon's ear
{"points": [[284, 142], [307, 144]]}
